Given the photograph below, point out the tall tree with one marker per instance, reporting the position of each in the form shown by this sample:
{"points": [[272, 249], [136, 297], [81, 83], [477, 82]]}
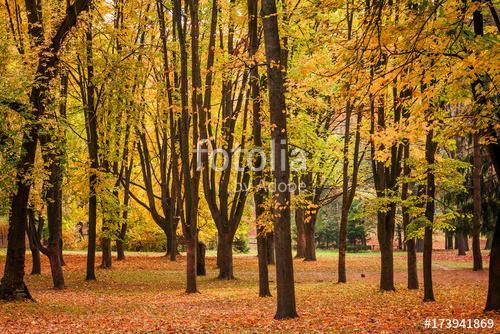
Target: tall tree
{"points": [[281, 172], [259, 192], [12, 285]]}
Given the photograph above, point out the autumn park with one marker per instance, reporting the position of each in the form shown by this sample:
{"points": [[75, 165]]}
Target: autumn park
{"points": [[248, 166]]}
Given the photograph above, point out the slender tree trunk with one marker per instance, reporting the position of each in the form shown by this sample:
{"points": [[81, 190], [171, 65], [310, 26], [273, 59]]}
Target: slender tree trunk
{"points": [[430, 151], [411, 254], [91, 120], [301, 238], [260, 192], [270, 248], [448, 240], [309, 233], [36, 266], [476, 219], [281, 172], [343, 245]]}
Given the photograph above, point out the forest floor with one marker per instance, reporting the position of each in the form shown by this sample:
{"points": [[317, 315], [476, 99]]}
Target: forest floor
{"points": [[145, 293]]}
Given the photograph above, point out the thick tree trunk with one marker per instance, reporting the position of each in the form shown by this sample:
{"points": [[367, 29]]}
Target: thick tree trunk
{"points": [[385, 234], [281, 171], [461, 243], [411, 256], [191, 264], [476, 219], [493, 299], [200, 259], [225, 256], [106, 251]]}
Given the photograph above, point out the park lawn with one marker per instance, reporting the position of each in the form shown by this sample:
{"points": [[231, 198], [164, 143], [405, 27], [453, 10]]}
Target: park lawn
{"points": [[146, 294]]}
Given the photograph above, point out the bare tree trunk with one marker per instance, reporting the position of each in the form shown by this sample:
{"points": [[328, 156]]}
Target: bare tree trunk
{"points": [[301, 238], [309, 233], [270, 248], [430, 151], [93, 148], [36, 266], [476, 219], [281, 172], [225, 255], [200, 259]]}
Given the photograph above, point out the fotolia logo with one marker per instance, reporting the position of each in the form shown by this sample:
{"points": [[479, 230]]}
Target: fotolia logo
{"points": [[254, 159]]}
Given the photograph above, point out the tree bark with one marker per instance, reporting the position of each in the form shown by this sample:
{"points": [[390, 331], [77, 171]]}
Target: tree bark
{"points": [[36, 266], [225, 256], [460, 242], [281, 172], [93, 149], [430, 151], [476, 218], [200, 259], [309, 234], [411, 254], [270, 248], [12, 285], [301, 238]]}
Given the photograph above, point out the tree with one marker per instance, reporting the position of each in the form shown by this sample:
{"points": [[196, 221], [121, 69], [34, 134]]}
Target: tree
{"points": [[260, 192], [281, 171], [12, 284]]}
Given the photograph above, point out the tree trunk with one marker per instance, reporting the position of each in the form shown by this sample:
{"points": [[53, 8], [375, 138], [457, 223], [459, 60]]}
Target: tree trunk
{"points": [[493, 299], [476, 219], [489, 241], [191, 265], [120, 242], [309, 230], [106, 250], [430, 151], [281, 171], [448, 240], [301, 238], [420, 245], [343, 244], [36, 266], [460, 243], [93, 149], [225, 255], [270, 248], [385, 234], [260, 193], [200, 259], [411, 254]]}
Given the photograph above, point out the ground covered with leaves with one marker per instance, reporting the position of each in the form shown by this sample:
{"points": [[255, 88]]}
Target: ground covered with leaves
{"points": [[145, 293]]}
